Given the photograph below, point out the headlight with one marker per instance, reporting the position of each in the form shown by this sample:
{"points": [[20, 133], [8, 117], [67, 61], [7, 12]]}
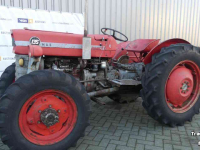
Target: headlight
{"points": [[21, 62]]}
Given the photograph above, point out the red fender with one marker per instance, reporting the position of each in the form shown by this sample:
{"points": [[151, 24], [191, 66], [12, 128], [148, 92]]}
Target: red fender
{"points": [[138, 46], [158, 48]]}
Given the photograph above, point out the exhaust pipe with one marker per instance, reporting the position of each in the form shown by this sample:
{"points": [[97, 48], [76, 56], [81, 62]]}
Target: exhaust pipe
{"points": [[86, 19], [87, 41], [104, 92]]}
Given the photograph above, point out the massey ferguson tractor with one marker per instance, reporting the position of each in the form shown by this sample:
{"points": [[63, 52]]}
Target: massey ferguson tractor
{"points": [[46, 93]]}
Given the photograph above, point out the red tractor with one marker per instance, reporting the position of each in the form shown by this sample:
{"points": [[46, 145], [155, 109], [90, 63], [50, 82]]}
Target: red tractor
{"points": [[46, 94]]}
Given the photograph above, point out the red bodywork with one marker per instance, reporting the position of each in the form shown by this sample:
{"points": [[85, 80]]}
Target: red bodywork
{"points": [[140, 50], [107, 45]]}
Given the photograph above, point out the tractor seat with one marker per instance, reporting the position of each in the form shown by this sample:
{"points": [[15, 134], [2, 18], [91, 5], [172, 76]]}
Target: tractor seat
{"points": [[141, 45]]}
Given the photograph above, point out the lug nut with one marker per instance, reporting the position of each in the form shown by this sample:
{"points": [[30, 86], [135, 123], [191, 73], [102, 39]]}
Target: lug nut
{"points": [[38, 122], [58, 111], [50, 106]]}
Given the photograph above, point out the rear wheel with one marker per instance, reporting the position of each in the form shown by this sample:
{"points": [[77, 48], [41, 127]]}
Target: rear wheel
{"points": [[44, 110], [7, 78], [171, 84]]}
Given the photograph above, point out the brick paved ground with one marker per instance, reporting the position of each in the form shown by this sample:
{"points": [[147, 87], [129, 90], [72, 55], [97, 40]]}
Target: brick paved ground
{"points": [[128, 127]]}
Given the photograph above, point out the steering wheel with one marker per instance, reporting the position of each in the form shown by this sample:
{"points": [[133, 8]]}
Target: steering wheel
{"points": [[104, 30]]}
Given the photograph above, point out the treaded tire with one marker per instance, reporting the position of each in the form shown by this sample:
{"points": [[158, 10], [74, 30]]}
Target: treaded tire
{"points": [[7, 78], [155, 77], [25, 87]]}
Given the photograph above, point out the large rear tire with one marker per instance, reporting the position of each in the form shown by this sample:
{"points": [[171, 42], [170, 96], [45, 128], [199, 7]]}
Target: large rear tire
{"points": [[44, 110], [171, 84], [7, 78]]}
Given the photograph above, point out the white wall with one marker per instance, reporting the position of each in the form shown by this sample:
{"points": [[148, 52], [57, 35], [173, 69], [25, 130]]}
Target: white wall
{"points": [[162, 19], [17, 18]]}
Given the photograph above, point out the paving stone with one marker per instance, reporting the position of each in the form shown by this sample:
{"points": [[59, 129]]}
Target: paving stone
{"points": [[95, 148], [129, 125], [135, 128], [168, 147], [88, 137], [159, 142], [98, 137], [107, 124], [118, 142], [123, 148], [137, 137], [150, 137], [148, 147], [145, 142], [163, 137], [181, 147], [172, 142], [155, 132], [131, 132], [142, 132], [175, 137], [124, 137], [104, 142], [82, 147], [139, 147], [90, 142], [131, 142], [106, 132], [93, 133], [111, 147], [111, 137], [89, 128], [118, 132]]}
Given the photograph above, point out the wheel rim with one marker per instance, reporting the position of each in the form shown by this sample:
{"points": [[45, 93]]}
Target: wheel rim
{"points": [[48, 117], [182, 86]]}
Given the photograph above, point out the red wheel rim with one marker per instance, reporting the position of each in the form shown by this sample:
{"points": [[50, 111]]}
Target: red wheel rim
{"points": [[48, 117], [182, 86]]}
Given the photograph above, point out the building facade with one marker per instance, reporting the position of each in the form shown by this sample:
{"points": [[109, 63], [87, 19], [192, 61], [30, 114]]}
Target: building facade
{"points": [[160, 19]]}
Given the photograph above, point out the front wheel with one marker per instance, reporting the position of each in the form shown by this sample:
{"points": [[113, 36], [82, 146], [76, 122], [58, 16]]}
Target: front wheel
{"points": [[7, 78], [171, 84], [44, 110]]}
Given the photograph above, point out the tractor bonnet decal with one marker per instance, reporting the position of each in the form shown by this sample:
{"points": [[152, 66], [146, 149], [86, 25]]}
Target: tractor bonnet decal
{"points": [[36, 41]]}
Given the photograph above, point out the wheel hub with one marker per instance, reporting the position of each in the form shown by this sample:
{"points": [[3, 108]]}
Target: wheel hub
{"points": [[179, 86], [49, 117], [185, 86]]}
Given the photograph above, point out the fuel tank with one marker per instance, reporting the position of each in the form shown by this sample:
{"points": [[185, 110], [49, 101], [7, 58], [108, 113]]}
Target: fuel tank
{"points": [[61, 44]]}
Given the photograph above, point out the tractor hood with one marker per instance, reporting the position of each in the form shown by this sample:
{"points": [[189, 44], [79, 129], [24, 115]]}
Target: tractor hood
{"points": [[61, 44]]}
